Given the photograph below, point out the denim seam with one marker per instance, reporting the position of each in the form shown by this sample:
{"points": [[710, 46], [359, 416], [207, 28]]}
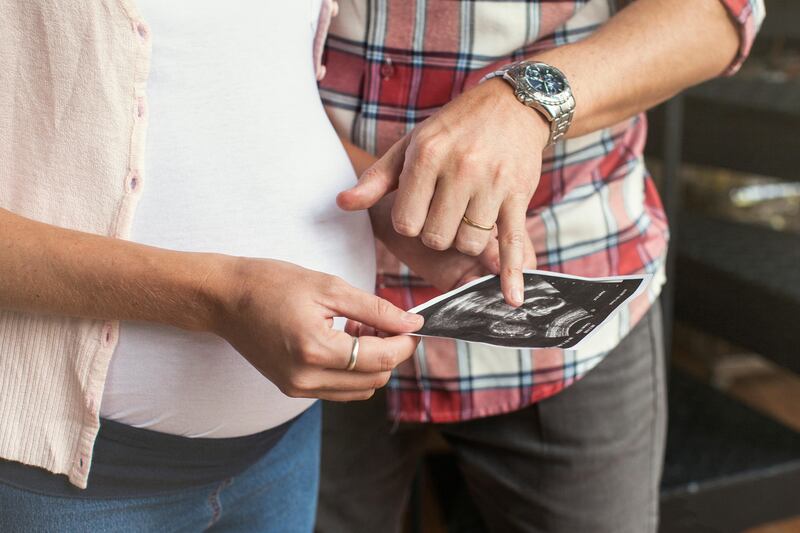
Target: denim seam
{"points": [[215, 503]]}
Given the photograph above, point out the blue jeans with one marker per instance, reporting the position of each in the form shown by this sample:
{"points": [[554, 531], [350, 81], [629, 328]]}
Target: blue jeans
{"points": [[276, 494]]}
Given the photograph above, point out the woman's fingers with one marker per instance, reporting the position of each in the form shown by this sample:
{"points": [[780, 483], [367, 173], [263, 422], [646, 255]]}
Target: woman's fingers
{"points": [[332, 350], [313, 383], [322, 357], [370, 310], [353, 328], [357, 329], [374, 354], [322, 366], [344, 396], [343, 380]]}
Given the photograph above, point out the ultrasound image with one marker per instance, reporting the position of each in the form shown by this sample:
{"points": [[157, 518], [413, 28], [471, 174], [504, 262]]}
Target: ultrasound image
{"points": [[557, 311]]}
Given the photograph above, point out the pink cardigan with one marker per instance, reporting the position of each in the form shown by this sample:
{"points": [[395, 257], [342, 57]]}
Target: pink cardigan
{"points": [[73, 116]]}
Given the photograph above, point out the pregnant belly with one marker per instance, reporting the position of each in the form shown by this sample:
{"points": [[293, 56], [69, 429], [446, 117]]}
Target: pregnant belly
{"points": [[190, 384], [195, 384]]}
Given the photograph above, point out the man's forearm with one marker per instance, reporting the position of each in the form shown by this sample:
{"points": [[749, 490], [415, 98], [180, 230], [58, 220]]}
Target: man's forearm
{"points": [[46, 269], [645, 54], [359, 158]]}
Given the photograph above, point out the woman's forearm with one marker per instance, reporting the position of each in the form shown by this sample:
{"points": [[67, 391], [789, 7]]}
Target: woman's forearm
{"points": [[645, 54], [46, 269]]}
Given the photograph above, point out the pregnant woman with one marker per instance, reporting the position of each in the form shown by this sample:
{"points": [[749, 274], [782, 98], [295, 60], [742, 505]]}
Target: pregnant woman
{"points": [[167, 300]]}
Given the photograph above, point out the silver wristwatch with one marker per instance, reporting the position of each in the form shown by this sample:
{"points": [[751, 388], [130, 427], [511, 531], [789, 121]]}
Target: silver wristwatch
{"points": [[544, 88]]}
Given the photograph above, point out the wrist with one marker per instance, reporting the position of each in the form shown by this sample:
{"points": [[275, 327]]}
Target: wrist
{"points": [[534, 120], [217, 291]]}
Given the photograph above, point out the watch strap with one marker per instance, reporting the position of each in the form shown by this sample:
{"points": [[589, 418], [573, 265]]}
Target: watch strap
{"points": [[562, 120]]}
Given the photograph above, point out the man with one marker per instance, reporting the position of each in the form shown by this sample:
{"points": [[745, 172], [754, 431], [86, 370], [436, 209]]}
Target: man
{"points": [[550, 148]]}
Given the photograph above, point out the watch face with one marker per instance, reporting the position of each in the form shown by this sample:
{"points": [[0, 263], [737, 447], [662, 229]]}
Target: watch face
{"points": [[548, 83]]}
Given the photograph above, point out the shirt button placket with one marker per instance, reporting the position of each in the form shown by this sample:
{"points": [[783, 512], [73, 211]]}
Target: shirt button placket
{"points": [[387, 68]]}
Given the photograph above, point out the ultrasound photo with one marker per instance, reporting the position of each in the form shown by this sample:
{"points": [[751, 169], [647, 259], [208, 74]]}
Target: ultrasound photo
{"points": [[559, 310]]}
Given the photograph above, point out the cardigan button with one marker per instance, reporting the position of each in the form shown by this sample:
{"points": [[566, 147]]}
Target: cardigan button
{"points": [[91, 406], [107, 334], [132, 181], [141, 29]]}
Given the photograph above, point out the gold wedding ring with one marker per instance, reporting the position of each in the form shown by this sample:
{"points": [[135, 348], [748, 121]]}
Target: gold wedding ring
{"points": [[353, 355], [474, 224]]}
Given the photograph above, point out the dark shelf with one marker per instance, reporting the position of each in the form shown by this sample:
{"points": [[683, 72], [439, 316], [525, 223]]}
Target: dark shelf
{"points": [[742, 283], [781, 21], [740, 124], [752, 94], [726, 468]]}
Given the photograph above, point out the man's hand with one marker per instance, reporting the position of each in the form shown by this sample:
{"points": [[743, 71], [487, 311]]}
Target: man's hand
{"points": [[479, 156], [445, 269], [279, 316]]}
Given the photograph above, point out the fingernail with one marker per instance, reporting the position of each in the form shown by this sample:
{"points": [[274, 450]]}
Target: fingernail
{"points": [[413, 318], [518, 296]]}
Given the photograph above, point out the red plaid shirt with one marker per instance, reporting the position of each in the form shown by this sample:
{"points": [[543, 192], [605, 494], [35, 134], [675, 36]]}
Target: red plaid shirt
{"points": [[596, 212]]}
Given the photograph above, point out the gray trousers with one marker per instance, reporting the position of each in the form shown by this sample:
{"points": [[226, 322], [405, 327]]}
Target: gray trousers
{"points": [[587, 460]]}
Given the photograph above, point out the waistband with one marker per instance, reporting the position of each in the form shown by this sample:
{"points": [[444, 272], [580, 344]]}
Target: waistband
{"points": [[130, 462]]}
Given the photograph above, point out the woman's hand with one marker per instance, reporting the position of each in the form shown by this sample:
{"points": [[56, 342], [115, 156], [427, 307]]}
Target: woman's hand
{"points": [[280, 318], [479, 156]]}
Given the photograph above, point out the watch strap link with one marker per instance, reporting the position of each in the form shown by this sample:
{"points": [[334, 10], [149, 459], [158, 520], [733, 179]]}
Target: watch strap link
{"points": [[562, 121]]}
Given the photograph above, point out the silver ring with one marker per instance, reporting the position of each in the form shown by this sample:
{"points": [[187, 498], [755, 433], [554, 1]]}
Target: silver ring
{"points": [[353, 355]]}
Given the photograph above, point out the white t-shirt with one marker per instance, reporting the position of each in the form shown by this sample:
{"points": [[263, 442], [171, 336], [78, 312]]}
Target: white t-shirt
{"points": [[241, 160]]}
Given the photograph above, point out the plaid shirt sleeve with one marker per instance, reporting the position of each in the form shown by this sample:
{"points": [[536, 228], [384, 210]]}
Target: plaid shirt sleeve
{"points": [[596, 211], [748, 16]]}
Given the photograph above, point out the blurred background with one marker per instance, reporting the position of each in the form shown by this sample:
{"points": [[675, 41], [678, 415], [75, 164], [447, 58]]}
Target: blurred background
{"points": [[726, 157]]}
